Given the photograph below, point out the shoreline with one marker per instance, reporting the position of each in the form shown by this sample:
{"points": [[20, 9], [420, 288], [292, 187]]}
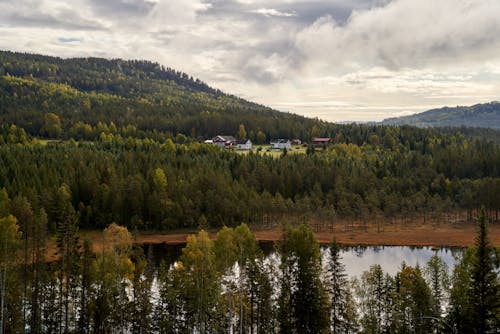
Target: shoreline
{"points": [[411, 235], [445, 235]]}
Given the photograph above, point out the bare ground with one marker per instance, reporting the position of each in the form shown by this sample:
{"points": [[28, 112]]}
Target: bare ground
{"points": [[444, 235], [395, 234]]}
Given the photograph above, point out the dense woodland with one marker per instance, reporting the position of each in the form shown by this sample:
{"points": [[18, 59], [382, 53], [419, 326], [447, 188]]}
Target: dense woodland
{"points": [[118, 151], [92, 143], [226, 285], [147, 184]]}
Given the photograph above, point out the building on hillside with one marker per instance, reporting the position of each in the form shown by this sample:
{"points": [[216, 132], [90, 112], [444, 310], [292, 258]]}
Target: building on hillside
{"points": [[296, 142], [317, 141], [224, 141], [279, 144], [244, 145]]}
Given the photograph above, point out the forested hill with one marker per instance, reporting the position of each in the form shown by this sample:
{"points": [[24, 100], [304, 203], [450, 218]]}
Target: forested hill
{"points": [[140, 93], [486, 115]]}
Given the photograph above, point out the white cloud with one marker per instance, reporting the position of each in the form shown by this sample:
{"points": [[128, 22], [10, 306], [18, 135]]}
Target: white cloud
{"points": [[337, 59], [406, 33], [272, 12]]}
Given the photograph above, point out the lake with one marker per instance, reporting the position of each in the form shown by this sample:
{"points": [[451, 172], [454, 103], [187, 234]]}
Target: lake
{"points": [[355, 259]]}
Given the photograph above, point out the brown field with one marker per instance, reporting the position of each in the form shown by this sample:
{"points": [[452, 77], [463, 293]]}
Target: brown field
{"points": [[396, 234], [444, 235]]}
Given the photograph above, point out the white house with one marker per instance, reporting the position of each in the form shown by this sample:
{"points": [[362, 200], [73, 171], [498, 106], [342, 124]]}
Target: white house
{"points": [[245, 144], [279, 144], [224, 141]]}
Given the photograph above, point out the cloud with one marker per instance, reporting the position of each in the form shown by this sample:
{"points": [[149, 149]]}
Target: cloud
{"points": [[273, 12], [336, 59], [405, 33]]}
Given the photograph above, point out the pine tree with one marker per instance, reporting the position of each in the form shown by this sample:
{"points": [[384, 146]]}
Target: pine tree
{"points": [[436, 273], [460, 308], [484, 283], [39, 272], [86, 288], [337, 286], [140, 305], [301, 286], [11, 320]]}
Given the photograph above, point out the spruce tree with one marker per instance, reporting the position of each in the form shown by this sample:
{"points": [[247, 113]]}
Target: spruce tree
{"points": [[337, 285], [484, 282]]}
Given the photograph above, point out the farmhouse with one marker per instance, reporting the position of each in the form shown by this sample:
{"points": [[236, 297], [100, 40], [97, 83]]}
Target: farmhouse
{"points": [[244, 145], [224, 141], [279, 144], [317, 141]]}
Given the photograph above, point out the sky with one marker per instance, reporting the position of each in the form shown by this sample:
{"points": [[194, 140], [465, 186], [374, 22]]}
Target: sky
{"points": [[338, 60]]}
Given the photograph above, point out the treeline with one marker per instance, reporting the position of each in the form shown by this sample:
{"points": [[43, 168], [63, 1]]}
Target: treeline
{"points": [[227, 285], [145, 184]]}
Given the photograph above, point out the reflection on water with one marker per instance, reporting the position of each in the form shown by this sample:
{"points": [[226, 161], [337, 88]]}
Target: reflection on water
{"points": [[359, 259], [356, 259]]}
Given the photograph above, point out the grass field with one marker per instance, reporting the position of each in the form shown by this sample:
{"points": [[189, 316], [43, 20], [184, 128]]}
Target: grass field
{"points": [[265, 149]]}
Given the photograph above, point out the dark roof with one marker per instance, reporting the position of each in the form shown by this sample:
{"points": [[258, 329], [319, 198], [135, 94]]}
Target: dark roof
{"points": [[243, 141], [320, 140], [279, 141], [225, 138]]}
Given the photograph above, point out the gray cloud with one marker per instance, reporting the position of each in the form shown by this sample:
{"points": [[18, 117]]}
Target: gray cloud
{"points": [[322, 58], [132, 8], [406, 33]]}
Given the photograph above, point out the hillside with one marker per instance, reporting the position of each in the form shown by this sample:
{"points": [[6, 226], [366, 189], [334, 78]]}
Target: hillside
{"points": [[486, 115], [129, 92]]}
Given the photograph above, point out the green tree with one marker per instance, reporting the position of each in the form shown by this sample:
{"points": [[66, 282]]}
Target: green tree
{"points": [[460, 307], [86, 292], [242, 133], [9, 304], [301, 284], [39, 272], [52, 125], [114, 270], [484, 282], [140, 305], [436, 274], [413, 302], [67, 251], [374, 292], [341, 317], [202, 284], [261, 137]]}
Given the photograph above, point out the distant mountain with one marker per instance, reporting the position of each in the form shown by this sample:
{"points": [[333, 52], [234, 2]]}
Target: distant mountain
{"points": [[486, 115]]}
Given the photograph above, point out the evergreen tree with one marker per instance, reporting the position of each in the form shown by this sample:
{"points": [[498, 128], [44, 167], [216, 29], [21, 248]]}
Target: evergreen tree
{"points": [[374, 292], [140, 305], [10, 299], [39, 272], [484, 283], [460, 307], [86, 288], [436, 273], [67, 251], [202, 285], [339, 291], [171, 312], [307, 296]]}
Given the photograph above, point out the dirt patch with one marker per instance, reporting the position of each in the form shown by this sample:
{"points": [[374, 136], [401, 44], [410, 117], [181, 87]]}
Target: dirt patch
{"points": [[445, 235], [399, 234]]}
